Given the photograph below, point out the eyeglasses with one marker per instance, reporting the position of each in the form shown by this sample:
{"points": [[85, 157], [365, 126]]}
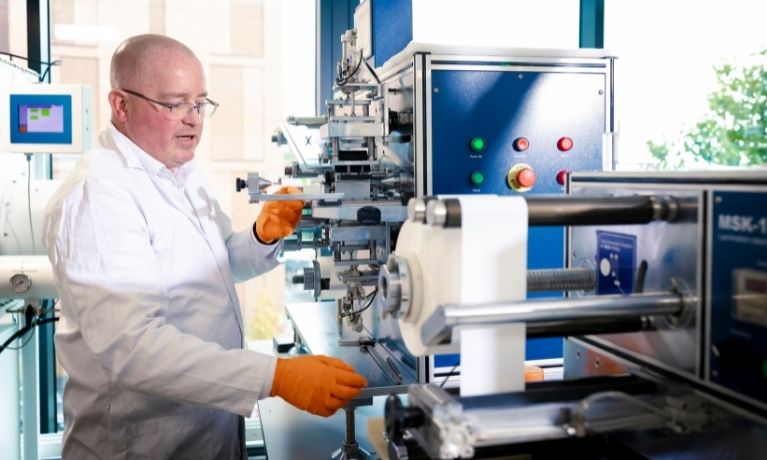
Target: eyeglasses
{"points": [[181, 110]]}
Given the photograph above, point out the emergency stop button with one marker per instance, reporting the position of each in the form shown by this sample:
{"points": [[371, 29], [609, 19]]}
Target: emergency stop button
{"points": [[521, 177]]}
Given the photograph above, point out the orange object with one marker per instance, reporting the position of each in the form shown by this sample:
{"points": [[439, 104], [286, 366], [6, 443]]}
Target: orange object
{"points": [[526, 178], [279, 219], [533, 373], [317, 384]]}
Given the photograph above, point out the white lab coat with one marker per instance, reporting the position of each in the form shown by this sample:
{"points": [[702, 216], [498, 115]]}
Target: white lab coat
{"points": [[151, 330]]}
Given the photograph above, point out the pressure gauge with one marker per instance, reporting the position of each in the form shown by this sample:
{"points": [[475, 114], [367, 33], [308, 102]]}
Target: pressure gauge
{"points": [[20, 283]]}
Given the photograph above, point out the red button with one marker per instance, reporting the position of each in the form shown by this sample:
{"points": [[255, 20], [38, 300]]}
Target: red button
{"points": [[526, 178], [562, 177], [564, 144], [521, 144]]}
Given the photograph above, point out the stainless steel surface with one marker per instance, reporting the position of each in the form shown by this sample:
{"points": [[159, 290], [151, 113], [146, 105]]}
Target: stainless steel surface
{"points": [[436, 213], [672, 251], [390, 212], [394, 287], [416, 210], [297, 196], [292, 434], [317, 326], [356, 233], [439, 325]]}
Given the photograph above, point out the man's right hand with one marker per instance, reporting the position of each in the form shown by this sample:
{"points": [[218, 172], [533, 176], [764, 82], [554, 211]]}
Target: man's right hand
{"points": [[316, 384]]}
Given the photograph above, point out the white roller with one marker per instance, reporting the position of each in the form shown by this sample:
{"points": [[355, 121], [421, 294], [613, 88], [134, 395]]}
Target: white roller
{"points": [[24, 277], [433, 255], [485, 260]]}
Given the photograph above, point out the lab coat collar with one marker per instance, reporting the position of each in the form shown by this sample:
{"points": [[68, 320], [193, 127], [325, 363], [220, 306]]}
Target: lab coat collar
{"points": [[136, 157]]}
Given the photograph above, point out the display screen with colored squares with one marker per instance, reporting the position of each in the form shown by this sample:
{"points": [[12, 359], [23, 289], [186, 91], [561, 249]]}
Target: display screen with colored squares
{"points": [[38, 118]]}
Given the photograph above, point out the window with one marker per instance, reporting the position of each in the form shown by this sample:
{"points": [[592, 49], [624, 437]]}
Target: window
{"points": [[666, 81]]}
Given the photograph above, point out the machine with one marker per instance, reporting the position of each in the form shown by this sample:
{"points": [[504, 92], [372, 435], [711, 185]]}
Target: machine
{"points": [[666, 355], [431, 120], [437, 121]]}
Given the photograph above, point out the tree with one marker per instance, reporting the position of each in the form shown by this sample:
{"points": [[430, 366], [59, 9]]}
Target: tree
{"points": [[734, 132]]}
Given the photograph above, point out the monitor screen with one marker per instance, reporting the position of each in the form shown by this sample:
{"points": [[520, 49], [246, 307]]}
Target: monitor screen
{"points": [[41, 119]]}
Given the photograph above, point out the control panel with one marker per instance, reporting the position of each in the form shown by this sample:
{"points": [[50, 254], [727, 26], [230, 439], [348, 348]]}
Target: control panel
{"points": [[738, 302], [514, 132], [505, 131]]}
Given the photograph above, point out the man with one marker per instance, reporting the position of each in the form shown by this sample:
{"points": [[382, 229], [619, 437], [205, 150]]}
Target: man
{"points": [[145, 263]]}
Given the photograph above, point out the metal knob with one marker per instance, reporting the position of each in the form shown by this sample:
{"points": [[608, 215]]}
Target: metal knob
{"points": [[436, 213], [394, 287], [416, 210]]}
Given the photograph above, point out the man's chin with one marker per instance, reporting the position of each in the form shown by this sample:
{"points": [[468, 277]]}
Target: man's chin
{"points": [[182, 157]]}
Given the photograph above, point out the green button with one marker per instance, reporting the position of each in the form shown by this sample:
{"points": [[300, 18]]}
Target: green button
{"points": [[477, 178], [477, 144], [764, 368]]}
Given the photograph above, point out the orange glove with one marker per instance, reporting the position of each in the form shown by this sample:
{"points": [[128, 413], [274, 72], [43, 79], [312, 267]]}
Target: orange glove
{"points": [[316, 384], [278, 219]]}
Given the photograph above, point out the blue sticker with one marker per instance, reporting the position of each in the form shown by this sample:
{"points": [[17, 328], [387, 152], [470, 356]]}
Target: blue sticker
{"points": [[616, 262]]}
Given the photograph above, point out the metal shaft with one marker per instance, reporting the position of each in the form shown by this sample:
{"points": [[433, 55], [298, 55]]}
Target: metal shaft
{"points": [[575, 210], [561, 279], [439, 325], [596, 326], [603, 210]]}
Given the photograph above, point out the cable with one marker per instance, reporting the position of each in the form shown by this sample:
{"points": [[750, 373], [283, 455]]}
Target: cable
{"points": [[372, 296], [372, 72], [342, 81], [29, 202], [20, 333], [450, 374], [47, 69], [49, 64]]}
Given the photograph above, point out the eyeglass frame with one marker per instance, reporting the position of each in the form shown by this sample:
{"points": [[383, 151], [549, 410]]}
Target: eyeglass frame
{"points": [[171, 107]]}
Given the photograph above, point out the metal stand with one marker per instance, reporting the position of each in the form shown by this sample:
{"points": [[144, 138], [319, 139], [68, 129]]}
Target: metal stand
{"points": [[351, 450]]}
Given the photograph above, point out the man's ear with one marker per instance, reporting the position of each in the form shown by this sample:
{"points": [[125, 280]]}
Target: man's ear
{"points": [[119, 104]]}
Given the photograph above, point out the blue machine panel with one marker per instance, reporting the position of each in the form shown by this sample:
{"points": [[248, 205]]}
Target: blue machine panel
{"points": [[616, 262], [392, 28], [549, 111], [738, 304]]}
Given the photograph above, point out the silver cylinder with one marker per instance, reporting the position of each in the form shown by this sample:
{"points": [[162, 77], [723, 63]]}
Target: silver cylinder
{"points": [[438, 326]]}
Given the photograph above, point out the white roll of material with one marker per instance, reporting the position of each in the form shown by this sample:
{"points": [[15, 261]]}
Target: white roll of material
{"points": [[26, 277], [485, 260]]}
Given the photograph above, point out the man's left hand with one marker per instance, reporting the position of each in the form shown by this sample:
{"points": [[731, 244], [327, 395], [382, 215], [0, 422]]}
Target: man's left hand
{"points": [[278, 219]]}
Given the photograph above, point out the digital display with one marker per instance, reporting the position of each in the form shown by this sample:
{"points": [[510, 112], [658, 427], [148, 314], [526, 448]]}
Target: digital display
{"points": [[750, 296], [41, 118]]}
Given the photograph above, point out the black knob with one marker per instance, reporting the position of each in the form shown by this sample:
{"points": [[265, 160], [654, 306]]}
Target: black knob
{"points": [[369, 215], [398, 418], [240, 184]]}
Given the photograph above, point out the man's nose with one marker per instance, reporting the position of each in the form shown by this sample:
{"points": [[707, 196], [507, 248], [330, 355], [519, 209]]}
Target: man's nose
{"points": [[192, 117]]}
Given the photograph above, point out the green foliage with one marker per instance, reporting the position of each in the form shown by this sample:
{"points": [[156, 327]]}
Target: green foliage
{"points": [[734, 132]]}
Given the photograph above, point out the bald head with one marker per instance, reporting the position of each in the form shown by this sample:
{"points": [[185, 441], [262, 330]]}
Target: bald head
{"points": [[138, 59], [152, 75]]}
